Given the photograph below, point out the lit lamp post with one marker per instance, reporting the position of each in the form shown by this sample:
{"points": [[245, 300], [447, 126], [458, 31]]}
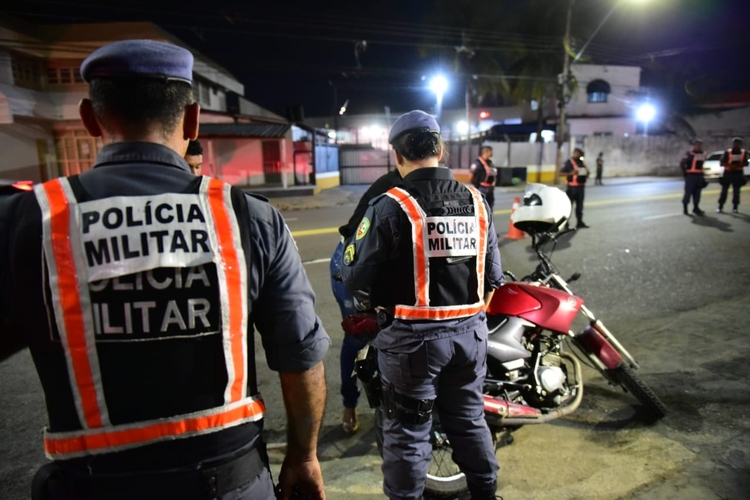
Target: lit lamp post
{"points": [[438, 85], [645, 114]]}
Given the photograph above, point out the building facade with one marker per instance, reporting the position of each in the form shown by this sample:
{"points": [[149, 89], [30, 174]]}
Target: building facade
{"points": [[42, 136]]}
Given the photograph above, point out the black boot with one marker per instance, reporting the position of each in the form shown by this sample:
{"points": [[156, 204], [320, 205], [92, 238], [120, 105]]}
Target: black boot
{"points": [[698, 211], [484, 492], [684, 209]]}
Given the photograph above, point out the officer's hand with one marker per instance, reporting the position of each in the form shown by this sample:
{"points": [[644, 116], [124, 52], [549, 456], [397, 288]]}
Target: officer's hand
{"points": [[302, 474]]}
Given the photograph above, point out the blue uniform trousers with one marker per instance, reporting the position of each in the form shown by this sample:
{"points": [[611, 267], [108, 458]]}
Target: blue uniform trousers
{"points": [[736, 180], [450, 369], [693, 187], [350, 346]]}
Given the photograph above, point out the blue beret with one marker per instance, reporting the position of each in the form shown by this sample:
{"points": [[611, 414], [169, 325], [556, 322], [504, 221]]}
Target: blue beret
{"points": [[145, 58], [413, 120], [737, 139]]}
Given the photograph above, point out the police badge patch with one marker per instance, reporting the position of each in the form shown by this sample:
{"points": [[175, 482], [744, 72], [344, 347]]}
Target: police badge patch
{"points": [[349, 255], [364, 226]]}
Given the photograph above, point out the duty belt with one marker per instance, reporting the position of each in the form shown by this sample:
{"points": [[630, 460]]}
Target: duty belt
{"points": [[207, 481]]}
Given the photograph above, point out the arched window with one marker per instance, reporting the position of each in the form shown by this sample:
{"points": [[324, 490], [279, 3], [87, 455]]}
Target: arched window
{"points": [[598, 90]]}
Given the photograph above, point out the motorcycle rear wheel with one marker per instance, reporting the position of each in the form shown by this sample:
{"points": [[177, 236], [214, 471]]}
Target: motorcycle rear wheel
{"points": [[654, 408], [444, 478]]}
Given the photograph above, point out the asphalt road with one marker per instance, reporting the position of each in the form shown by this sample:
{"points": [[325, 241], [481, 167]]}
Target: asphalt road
{"points": [[674, 289]]}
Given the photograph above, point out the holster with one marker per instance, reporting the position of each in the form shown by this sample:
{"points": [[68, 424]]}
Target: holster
{"points": [[406, 410], [366, 368]]}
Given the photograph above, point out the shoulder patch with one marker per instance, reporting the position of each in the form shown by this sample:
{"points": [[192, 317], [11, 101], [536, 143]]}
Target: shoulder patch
{"points": [[349, 255], [364, 226]]}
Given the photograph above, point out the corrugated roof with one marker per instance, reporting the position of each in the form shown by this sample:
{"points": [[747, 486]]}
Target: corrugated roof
{"points": [[245, 129]]}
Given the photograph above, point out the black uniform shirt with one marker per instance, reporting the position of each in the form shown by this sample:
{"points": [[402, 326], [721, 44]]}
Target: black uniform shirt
{"points": [[382, 258], [282, 302]]}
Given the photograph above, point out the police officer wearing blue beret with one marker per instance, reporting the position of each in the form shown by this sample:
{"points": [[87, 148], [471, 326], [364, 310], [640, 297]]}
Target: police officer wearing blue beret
{"points": [[136, 286], [734, 160], [427, 252]]}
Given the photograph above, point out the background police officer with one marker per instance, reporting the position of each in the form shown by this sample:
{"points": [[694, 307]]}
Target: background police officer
{"points": [[351, 345], [576, 174], [194, 157], [733, 161], [137, 285], [692, 169], [484, 175], [416, 250]]}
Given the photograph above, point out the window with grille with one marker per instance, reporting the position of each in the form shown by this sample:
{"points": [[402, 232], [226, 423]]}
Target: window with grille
{"points": [[27, 72], [64, 76]]}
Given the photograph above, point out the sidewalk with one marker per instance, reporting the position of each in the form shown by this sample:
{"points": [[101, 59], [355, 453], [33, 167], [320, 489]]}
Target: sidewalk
{"points": [[341, 196]]}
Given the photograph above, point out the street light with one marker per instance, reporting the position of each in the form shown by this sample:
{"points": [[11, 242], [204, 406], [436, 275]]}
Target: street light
{"points": [[645, 113], [438, 85]]}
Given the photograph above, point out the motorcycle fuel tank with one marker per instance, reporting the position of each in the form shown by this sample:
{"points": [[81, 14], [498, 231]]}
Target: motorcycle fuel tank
{"points": [[546, 307]]}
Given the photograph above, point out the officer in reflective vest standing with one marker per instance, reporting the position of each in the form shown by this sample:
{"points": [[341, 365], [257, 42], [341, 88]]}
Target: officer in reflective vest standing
{"points": [[692, 169], [138, 284], [733, 161], [484, 175], [427, 252], [576, 174]]}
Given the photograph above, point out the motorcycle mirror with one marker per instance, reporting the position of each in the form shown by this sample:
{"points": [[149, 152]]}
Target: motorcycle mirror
{"points": [[574, 277]]}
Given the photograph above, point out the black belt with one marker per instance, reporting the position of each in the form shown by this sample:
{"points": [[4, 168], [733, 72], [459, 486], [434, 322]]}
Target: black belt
{"points": [[207, 481]]}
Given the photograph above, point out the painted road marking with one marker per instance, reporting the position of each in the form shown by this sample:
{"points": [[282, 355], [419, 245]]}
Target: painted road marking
{"points": [[661, 216], [329, 230]]}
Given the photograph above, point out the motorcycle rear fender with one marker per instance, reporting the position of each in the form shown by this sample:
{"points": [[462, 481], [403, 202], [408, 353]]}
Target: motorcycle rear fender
{"points": [[597, 345], [546, 307]]}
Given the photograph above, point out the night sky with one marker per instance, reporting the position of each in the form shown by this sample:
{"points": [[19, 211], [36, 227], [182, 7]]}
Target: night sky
{"points": [[292, 52]]}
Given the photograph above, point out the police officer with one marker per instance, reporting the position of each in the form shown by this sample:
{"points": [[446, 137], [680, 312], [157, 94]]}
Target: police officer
{"points": [[194, 157], [137, 285], [484, 175], [733, 161], [351, 345], [692, 169], [427, 252], [576, 174]]}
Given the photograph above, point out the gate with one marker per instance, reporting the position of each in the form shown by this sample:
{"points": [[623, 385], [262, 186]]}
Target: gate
{"points": [[363, 166]]}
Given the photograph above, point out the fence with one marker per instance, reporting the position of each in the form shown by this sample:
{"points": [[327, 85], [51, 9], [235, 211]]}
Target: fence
{"points": [[363, 166]]}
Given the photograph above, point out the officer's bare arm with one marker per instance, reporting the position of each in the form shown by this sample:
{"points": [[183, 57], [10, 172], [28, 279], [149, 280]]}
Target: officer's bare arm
{"points": [[304, 398]]}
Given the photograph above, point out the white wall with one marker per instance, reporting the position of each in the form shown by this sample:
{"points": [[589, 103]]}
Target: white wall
{"points": [[641, 155], [624, 81], [591, 126]]}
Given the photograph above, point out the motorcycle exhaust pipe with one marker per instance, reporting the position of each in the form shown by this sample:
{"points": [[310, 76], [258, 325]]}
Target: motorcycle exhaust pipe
{"points": [[502, 413]]}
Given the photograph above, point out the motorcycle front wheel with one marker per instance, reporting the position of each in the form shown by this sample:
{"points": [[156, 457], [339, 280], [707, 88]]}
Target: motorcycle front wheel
{"points": [[654, 409], [444, 478]]}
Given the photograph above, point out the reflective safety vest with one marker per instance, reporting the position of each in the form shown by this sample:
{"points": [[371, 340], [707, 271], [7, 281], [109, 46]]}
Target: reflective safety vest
{"points": [[696, 164], [736, 161], [68, 226], [578, 177], [489, 174], [442, 237]]}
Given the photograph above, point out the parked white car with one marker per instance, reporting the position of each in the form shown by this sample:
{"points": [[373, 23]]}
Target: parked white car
{"points": [[712, 168]]}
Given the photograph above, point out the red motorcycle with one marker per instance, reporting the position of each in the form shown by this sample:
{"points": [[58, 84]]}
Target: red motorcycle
{"points": [[534, 374]]}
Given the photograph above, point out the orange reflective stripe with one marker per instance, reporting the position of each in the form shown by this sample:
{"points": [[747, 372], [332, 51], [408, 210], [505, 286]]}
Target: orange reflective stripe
{"points": [[482, 215], [70, 302], [421, 273], [487, 172], [437, 313], [235, 332], [422, 310], [71, 444]]}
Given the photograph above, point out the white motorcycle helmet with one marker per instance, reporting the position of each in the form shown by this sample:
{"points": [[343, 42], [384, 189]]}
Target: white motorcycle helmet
{"points": [[544, 208]]}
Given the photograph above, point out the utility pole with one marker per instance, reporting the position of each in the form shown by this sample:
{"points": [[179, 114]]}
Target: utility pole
{"points": [[564, 83]]}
